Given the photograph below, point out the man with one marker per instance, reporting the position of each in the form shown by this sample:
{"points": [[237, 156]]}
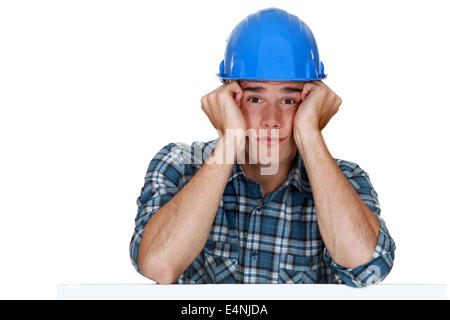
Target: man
{"points": [[315, 219]]}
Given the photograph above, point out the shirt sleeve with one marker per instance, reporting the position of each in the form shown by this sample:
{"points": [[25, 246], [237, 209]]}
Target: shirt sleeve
{"points": [[164, 179], [382, 259]]}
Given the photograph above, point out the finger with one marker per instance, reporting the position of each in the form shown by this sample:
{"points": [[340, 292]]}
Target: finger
{"points": [[234, 86], [320, 83], [237, 98], [307, 88], [323, 125]]}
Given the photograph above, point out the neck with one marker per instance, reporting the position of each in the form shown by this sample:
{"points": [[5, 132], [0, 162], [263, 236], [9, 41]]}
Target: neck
{"points": [[269, 183]]}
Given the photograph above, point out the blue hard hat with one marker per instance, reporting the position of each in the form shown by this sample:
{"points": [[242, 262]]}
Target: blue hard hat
{"points": [[271, 45]]}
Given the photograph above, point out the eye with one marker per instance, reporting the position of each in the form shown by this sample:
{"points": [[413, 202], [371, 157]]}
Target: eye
{"points": [[253, 99], [291, 101]]}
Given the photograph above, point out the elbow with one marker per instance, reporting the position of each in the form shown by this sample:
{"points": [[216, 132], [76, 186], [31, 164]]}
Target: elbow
{"points": [[158, 272]]}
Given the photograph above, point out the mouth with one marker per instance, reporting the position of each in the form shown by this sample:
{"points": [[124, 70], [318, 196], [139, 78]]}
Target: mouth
{"points": [[271, 141]]}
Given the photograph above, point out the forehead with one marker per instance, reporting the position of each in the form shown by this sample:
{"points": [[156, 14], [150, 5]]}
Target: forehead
{"points": [[272, 85]]}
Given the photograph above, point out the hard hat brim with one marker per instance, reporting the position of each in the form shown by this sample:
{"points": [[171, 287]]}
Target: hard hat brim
{"points": [[225, 78]]}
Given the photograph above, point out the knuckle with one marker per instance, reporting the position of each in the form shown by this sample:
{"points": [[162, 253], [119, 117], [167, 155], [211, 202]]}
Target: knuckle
{"points": [[220, 97], [204, 99]]}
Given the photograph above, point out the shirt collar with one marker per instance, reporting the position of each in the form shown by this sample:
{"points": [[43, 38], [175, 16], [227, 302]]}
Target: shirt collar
{"points": [[297, 175]]}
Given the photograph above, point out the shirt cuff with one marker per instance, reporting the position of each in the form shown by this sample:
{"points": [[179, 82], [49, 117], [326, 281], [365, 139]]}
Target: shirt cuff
{"points": [[372, 272]]}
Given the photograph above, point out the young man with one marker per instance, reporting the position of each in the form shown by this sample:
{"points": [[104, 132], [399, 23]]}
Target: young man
{"points": [[314, 219]]}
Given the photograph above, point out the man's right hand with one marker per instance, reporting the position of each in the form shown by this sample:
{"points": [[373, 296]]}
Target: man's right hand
{"points": [[222, 106]]}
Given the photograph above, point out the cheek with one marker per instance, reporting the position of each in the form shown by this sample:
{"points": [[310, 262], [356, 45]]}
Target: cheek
{"points": [[291, 114], [289, 117], [251, 116]]}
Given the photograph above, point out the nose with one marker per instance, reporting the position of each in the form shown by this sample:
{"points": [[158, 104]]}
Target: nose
{"points": [[271, 118]]}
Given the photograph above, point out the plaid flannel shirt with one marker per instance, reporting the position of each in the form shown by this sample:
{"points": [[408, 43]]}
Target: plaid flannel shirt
{"points": [[256, 238]]}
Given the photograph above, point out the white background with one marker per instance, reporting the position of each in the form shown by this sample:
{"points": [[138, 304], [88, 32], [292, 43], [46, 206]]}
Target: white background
{"points": [[91, 90]]}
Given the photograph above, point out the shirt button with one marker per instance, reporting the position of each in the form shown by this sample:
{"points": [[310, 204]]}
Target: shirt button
{"points": [[258, 210]]}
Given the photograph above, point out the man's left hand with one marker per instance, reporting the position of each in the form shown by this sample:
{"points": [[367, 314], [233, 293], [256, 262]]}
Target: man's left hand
{"points": [[319, 104]]}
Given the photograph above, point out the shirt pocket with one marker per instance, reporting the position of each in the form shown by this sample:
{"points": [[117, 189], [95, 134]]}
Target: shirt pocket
{"points": [[299, 269], [221, 261]]}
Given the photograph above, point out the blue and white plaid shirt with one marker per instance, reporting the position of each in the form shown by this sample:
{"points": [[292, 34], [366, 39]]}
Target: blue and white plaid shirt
{"points": [[255, 238]]}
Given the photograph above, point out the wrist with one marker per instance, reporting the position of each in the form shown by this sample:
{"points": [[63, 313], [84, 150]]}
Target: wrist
{"points": [[305, 129], [227, 148], [304, 135]]}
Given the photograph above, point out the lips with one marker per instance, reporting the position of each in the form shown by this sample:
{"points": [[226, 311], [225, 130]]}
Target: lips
{"points": [[271, 140]]}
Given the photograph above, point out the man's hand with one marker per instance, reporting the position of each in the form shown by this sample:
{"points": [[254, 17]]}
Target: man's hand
{"points": [[222, 106], [319, 104]]}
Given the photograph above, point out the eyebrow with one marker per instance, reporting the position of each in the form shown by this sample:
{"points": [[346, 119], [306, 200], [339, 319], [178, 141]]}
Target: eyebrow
{"points": [[261, 89]]}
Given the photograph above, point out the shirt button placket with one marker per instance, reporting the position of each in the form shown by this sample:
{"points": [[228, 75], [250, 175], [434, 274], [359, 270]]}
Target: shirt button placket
{"points": [[251, 256], [258, 209], [254, 256]]}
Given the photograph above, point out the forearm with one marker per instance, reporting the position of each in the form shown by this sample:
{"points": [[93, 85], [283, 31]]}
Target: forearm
{"points": [[177, 232], [347, 226]]}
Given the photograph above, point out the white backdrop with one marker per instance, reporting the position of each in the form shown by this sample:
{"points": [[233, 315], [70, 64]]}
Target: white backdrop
{"points": [[91, 90]]}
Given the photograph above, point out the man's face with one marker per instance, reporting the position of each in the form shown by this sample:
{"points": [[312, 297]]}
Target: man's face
{"points": [[272, 105]]}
